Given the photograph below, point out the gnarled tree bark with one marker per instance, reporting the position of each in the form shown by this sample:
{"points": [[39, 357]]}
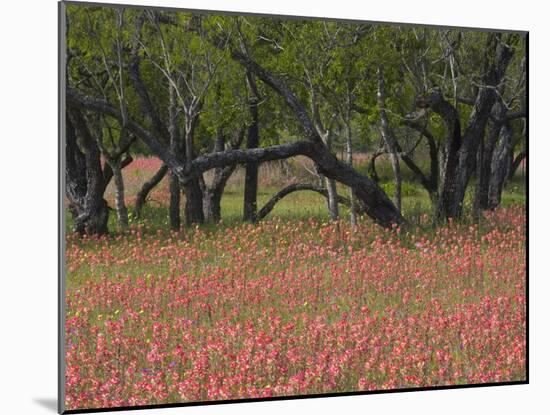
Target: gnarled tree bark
{"points": [[85, 180]]}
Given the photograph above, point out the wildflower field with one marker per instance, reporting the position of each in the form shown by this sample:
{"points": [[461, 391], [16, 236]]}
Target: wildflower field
{"points": [[293, 307]]}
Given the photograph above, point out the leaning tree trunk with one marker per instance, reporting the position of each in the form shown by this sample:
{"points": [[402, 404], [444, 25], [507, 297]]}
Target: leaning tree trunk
{"points": [[500, 165], [252, 141]]}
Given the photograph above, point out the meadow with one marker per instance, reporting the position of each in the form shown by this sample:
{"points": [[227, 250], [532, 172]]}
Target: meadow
{"points": [[295, 304]]}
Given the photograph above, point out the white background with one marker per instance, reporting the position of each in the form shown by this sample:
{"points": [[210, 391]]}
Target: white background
{"points": [[28, 204]]}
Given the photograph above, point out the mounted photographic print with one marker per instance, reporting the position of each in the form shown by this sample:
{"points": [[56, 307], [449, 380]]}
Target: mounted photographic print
{"points": [[270, 207]]}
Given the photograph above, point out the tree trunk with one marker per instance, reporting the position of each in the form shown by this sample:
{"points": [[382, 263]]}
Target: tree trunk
{"points": [[108, 172], [448, 154], [500, 165], [476, 206], [389, 139], [332, 202], [174, 208], [487, 148], [349, 161], [372, 166], [175, 145], [194, 212], [149, 185], [252, 141], [85, 184], [120, 204], [212, 195], [212, 204]]}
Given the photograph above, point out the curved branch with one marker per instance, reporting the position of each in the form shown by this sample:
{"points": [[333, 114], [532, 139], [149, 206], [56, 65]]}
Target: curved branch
{"points": [[271, 80], [295, 187], [149, 185], [429, 183]]}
